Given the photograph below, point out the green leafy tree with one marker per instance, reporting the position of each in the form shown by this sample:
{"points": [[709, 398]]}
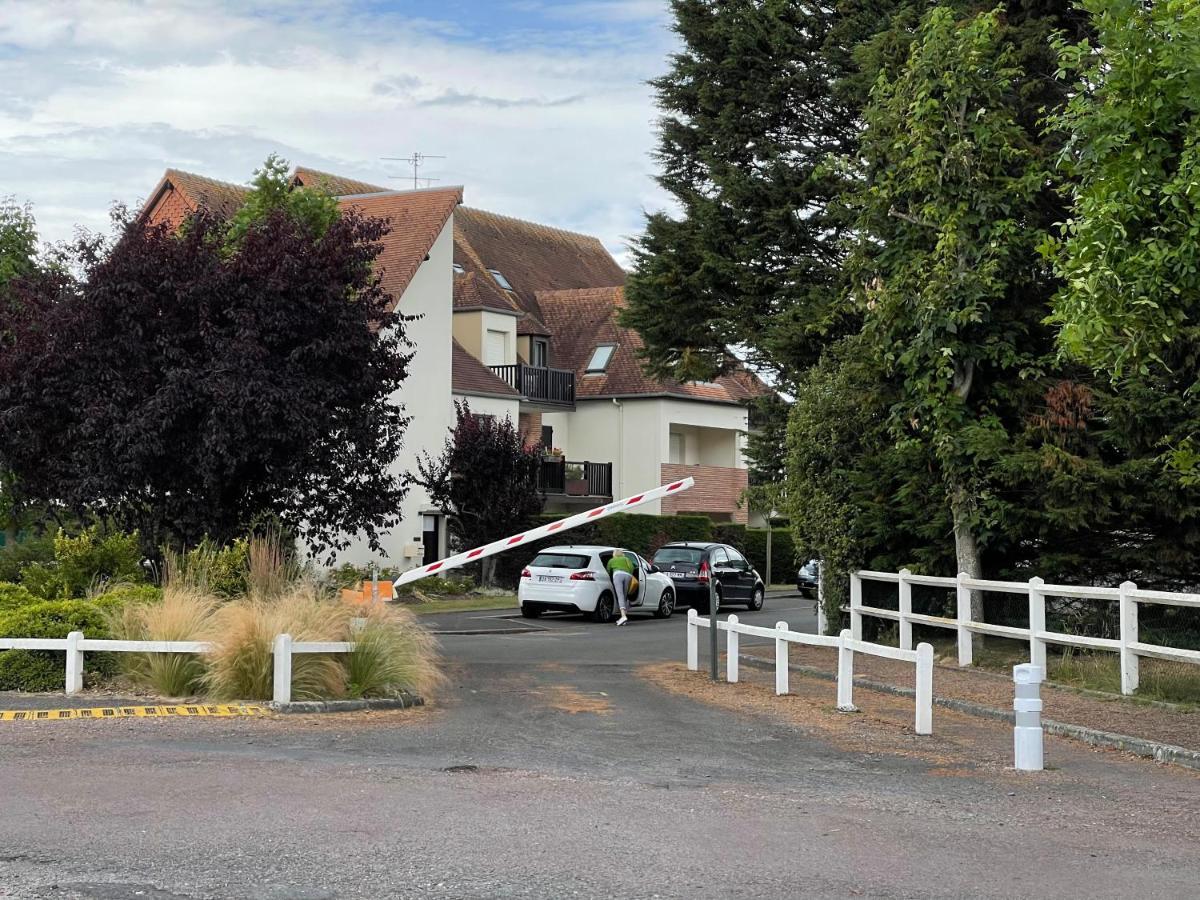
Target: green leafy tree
{"points": [[948, 231], [18, 241], [486, 478], [272, 190]]}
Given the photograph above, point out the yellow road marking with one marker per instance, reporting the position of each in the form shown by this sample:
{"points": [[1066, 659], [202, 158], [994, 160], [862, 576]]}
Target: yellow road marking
{"points": [[221, 710]]}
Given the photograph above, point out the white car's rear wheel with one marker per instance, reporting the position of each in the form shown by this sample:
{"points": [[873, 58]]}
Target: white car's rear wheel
{"points": [[604, 608], [666, 605]]}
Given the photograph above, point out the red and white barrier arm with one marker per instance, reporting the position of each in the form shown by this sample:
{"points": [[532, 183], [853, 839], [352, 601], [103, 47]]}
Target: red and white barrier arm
{"points": [[453, 562]]}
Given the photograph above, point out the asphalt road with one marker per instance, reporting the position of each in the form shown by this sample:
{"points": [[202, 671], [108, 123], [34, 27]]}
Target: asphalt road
{"points": [[549, 768]]}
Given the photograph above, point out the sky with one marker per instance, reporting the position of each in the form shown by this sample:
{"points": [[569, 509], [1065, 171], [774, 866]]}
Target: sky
{"points": [[540, 107]]}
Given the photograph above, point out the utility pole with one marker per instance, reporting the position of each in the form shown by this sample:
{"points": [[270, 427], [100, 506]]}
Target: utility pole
{"points": [[416, 161]]}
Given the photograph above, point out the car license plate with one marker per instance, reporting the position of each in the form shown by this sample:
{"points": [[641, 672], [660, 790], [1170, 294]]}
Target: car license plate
{"points": [[680, 574], [552, 579]]}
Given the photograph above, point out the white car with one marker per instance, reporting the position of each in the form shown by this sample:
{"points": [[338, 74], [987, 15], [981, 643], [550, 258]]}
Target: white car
{"points": [[576, 579]]}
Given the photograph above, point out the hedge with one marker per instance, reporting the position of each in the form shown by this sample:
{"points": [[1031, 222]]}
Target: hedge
{"points": [[752, 542], [14, 596], [44, 670]]}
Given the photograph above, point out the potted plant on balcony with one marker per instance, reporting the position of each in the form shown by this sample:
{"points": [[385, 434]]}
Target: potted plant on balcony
{"points": [[576, 480], [552, 454]]}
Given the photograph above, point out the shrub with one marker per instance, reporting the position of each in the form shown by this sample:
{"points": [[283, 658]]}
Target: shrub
{"points": [[121, 595], [391, 653], [31, 670], [240, 666], [182, 614], [211, 568], [14, 596], [451, 584], [92, 557], [15, 557]]}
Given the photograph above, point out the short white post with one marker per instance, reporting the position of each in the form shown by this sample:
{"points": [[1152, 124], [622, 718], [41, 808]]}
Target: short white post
{"points": [[856, 606], [283, 668], [731, 650], [822, 622], [905, 610], [965, 650], [1037, 623], [845, 673], [74, 663], [924, 688], [693, 640], [781, 659], [1129, 635], [1027, 705]]}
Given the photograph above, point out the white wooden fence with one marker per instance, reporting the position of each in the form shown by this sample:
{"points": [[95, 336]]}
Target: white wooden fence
{"points": [[1127, 596], [846, 646], [75, 645]]}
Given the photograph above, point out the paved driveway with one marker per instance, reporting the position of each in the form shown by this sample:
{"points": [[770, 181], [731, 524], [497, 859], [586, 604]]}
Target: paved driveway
{"points": [[550, 768]]}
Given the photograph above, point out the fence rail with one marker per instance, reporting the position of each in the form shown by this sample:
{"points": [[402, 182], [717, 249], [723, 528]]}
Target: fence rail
{"points": [[845, 644], [1127, 596], [75, 645]]}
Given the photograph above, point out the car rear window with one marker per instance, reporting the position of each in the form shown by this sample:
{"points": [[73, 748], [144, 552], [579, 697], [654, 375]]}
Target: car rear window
{"points": [[560, 561], [668, 555]]}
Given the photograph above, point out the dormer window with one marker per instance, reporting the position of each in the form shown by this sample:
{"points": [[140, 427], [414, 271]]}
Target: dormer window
{"points": [[500, 279], [600, 357], [458, 269]]}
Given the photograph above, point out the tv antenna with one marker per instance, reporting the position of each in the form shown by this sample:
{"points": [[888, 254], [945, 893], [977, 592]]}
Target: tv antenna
{"points": [[416, 161]]}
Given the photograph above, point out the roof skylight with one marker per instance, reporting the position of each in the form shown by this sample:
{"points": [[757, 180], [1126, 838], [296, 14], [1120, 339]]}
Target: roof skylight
{"points": [[458, 269], [500, 279], [600, 358]]}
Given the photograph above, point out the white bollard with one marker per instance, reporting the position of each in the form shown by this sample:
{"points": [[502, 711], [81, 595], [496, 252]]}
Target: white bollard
{"points": [[283, 668], [731, 650], [74, 663], [1027, 733], [781, 659], [693, 640], [845, 674], [924, 682]]}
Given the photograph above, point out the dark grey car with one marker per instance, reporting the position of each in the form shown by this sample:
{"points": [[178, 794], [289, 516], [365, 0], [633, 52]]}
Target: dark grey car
{"points": [[692, 564]]}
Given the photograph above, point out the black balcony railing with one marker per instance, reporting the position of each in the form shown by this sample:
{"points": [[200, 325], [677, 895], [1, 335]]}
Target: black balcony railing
{"points": [[539, 384], [575, 479]]}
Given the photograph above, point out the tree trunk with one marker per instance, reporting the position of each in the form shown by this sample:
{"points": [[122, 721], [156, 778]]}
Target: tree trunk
{"points": [[966, 551], [487, 572]]}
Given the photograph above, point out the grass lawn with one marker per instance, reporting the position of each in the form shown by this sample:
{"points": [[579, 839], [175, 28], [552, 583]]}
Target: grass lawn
{"points": [[458, 603]]}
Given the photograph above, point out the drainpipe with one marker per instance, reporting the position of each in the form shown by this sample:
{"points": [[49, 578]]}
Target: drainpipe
{"points": [[619, 489]]}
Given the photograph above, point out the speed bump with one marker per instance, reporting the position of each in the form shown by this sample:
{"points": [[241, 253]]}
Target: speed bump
{"points": [[133, 712]]}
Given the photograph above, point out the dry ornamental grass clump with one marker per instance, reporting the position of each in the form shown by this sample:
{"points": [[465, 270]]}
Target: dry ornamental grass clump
{"points": [[183, 614]]}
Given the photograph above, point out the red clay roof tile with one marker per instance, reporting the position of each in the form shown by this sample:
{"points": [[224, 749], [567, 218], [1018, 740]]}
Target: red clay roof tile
{"points": [[469, 376]]}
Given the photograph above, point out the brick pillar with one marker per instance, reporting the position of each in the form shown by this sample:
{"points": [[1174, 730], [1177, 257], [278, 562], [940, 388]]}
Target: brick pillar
{"points": [[529, 424]]}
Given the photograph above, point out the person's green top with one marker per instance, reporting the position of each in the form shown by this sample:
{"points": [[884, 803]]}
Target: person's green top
{"points": [[623, 563]]}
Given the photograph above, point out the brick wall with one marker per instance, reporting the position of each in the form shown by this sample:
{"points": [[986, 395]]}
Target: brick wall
{"points": [[529, 424], [717, 490]]}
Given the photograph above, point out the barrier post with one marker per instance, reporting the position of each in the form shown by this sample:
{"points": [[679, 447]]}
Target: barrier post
{"points": [[965, 650], [1037, 622], [905, 610], [283, 668], [924, 688], [74, 663], [693, 634], [781, 659], [731, 650], [1027, 705], [856, 606], [845, 673]]}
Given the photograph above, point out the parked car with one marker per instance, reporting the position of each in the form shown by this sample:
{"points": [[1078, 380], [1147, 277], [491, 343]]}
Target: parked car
{"points": [[807, 578], [691, 564], [576, 579]]}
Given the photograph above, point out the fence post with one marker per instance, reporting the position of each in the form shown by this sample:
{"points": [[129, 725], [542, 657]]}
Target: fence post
{"points": [[731, 650], [1027, 730], [845, 673], [965, 650], [1037, 622], [822, 622], [856, 606], [74, 663], [283, 668], [905, 610], [781, 659], [1129, 635], [693, 642], [924, 688]]}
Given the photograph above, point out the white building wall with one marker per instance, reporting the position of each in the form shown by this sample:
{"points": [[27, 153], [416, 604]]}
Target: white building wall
{"points": [[426, 398], [492, 406]]}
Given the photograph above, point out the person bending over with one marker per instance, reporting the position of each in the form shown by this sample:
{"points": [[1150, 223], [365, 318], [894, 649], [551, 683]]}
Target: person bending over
{"points": [[620, 567]]}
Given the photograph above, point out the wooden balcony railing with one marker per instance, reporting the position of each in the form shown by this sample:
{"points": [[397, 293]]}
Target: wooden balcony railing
{"points": [[540, 384]]}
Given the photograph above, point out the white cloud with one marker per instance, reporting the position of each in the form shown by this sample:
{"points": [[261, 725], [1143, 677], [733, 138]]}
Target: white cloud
{"points": [[97, 98]]}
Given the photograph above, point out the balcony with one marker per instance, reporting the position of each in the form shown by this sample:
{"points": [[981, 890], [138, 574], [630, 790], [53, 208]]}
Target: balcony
{"points": [[540, 387], [575, 479]]}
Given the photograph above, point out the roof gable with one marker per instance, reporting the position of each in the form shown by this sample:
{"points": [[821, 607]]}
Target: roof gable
{"points": [[469, 376], [337, 185]]}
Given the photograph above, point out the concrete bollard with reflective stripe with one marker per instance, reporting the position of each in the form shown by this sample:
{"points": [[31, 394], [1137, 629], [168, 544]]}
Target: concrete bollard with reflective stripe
{"points": [[1027, 704]]}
